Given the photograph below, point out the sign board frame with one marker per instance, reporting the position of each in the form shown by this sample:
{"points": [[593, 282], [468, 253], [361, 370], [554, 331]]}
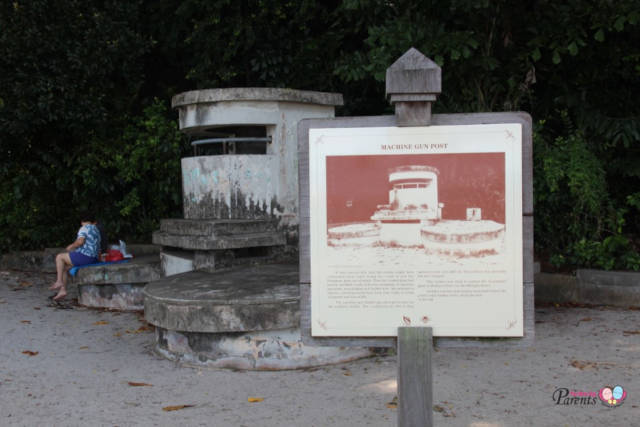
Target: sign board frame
{"points": [[437, 120]]}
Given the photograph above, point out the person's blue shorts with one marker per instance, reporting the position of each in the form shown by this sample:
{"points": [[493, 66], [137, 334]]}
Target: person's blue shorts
{"points": [[81, 259]]}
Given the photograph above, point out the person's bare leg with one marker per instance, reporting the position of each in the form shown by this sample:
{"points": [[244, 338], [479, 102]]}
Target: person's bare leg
{"points": [[60, 264], [63, 263]]}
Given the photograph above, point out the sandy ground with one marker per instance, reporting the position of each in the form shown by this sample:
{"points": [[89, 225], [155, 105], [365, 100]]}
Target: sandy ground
{"points": [[83, 360]]}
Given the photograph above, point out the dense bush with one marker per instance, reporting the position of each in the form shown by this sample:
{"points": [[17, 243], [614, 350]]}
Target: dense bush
{"points": [[577, 221], [80, 124]]}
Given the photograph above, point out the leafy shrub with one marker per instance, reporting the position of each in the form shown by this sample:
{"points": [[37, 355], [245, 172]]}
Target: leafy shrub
{"points": [[576, 221]]}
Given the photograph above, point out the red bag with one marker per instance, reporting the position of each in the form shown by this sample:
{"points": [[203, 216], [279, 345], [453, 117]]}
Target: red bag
{"points": [[113, 255]]}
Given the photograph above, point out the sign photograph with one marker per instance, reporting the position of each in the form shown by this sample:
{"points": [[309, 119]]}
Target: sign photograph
{"points": [[416, 226]]}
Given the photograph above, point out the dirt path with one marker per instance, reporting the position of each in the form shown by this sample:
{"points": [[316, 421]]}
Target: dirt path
{"points": [[82, 362]]}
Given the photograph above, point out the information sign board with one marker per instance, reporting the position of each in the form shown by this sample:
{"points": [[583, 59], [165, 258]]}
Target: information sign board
{"points": [[416, 226]]}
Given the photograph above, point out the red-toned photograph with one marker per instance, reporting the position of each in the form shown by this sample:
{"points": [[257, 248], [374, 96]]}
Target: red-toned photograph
{"points": [[440, 204]]}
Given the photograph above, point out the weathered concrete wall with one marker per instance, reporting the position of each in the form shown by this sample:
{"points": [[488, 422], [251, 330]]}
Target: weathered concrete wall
{"points": [[287, 152], [241, 186], [223, 187], [617, 288]]}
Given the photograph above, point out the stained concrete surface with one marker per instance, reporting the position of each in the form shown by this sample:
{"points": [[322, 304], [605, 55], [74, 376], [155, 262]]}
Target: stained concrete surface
{"points": [[251, 299], [86, 358]]}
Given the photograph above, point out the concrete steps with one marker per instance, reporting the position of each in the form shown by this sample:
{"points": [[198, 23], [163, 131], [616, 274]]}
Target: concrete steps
{"points": [[217, 234], [215, 244], [208, 243], [215, 228]]}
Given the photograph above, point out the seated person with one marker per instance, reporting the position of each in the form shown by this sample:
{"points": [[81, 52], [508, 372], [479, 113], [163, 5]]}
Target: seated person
{"points": [[85, 250]]}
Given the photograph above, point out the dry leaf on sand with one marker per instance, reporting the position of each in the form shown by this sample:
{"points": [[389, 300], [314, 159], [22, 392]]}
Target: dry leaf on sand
{"points": [[176, 407], [255, 399], [393, 404]]}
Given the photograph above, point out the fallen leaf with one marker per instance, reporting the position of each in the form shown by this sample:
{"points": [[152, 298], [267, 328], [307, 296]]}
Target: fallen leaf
{"points": [[446, 412], [393, 404], [101, 322], [583, 364], [25, 284], [36, 308], [176, 407], [84, 347], [145, 328], [117, 334], [132, 384], [586, 319], [255, 399], [30, 353], [636, 332], [346, 373], [26, 321]]}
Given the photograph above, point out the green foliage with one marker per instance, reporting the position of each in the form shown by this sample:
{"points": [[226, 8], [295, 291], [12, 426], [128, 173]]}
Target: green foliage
{"points": [[577, 223]]}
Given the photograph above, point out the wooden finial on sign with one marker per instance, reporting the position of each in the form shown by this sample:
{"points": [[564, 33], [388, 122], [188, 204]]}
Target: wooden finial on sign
{"points": [[412, 84]]}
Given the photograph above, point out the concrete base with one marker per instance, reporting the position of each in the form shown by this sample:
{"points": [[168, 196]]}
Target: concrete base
{"points": [[125, 297], [246, 318], [263, 350]]}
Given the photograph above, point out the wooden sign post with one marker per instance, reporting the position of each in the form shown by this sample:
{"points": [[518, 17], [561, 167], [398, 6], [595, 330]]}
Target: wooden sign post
{"points": [[415, 382], [412, 83], [415, 226]]}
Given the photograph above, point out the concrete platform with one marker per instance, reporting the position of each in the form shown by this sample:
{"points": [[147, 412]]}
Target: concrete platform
{"points": [[117, 286], [244, 319], [250, 299]]}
